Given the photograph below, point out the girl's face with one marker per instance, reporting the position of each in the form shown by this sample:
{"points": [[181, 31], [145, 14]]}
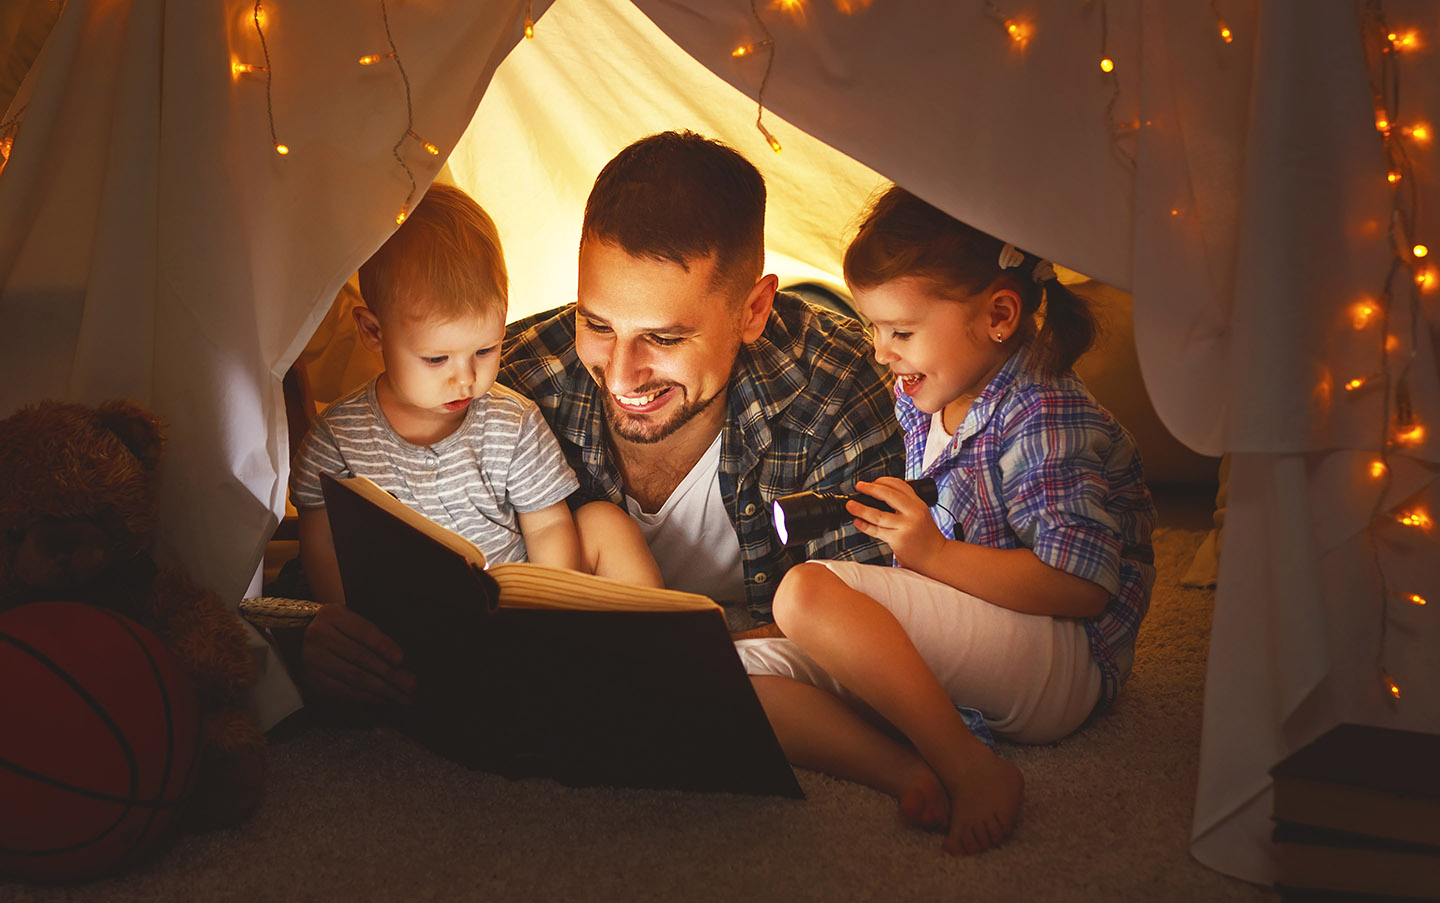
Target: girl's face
{"points": [[940, 345]]}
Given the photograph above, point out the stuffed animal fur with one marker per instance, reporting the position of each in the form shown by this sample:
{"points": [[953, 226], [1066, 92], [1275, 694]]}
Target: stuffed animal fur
{"points": [[77, 518]]}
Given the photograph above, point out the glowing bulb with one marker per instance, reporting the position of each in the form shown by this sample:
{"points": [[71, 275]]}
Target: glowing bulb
{"points": [[769, 138], [1225, 33], [1019, 32], [1378, 468], [1411, 435], [529, 29], [1414, 598], [282, 149], [400, 217], [1357, 382], [1107, 65], [1420, 250], [1420, 132], [1382, 123], [1394, 176], [1427, 280], [238, 68], [1409, 40], [1362, 314], [1392, 341], [1392, 686], [371, 59], [1174, 211], [431, 149], [1417, 518]]}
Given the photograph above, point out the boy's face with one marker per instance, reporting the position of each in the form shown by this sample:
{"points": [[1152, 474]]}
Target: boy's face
{"points": [[434, 367], [659, 340]]}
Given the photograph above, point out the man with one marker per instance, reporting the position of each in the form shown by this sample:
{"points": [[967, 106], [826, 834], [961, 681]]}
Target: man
{"points": [[684, 388]]}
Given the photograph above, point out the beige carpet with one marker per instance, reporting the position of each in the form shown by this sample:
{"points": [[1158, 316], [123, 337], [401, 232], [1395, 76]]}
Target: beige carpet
{"points": [[365, 815]]}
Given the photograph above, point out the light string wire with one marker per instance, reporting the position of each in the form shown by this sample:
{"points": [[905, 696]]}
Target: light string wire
{"points": [[409, 116], [1385, 89], [769, 44], [1114, 79], [255, 17]]}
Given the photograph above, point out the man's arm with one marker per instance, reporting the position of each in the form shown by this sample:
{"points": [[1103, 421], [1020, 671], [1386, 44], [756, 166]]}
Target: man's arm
{"points": [[342, 653]]}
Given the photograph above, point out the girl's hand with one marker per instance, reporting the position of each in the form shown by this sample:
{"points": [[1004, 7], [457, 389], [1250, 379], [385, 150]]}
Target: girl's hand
{"points": [[910, 531]]}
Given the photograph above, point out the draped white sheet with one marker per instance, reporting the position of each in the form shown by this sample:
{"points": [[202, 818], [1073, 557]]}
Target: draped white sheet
{"points": [[153, 244]]}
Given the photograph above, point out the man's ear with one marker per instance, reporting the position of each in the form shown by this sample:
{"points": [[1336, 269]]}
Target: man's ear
{"points": [[368, 325], [757, 307]]}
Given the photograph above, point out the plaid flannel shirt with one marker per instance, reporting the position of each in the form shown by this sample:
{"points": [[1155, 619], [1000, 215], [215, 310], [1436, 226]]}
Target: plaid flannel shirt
{"points": [[807, 409], [1040, 464]]}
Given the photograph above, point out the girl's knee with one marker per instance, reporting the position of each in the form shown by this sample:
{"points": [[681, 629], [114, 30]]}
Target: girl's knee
{"points": [[803, 587]]}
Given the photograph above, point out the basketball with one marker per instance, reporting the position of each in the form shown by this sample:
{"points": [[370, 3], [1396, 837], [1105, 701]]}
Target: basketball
{"points": [[98, 740]]}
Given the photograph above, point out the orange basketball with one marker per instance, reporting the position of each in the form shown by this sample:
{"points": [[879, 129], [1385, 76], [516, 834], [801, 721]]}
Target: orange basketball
{"points": [[98, 741]]}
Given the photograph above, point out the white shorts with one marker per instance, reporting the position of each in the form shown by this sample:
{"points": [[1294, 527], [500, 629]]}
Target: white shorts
{"points": [[1031, 676]]}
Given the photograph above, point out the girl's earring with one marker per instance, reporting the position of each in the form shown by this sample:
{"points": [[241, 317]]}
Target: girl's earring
{"points": [[998, 338]]}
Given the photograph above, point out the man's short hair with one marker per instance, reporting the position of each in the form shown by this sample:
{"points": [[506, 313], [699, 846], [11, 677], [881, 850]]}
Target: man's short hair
{"points": [[442, 263], [682, 197]]}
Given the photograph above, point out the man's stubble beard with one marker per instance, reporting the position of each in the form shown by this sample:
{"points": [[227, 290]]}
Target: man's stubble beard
{"points": [[632, 429]]}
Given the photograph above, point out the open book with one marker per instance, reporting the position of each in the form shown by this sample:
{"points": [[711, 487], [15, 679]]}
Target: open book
{"points": [[528, 670]]}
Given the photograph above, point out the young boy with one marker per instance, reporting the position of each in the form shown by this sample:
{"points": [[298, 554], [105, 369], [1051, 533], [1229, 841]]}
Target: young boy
{"points": [[435, 430]]}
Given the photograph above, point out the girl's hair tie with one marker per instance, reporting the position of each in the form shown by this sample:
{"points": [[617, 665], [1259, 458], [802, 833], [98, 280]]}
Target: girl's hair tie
{"points": [[1011, 257]]}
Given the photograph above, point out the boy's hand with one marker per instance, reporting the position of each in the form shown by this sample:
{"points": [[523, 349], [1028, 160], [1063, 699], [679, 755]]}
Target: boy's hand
{"points": [[909, 530], [346, 655]]}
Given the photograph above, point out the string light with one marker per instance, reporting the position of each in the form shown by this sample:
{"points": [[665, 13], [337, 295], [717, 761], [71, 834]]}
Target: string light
{"points": [[394, 56], [430, 149], [1019, 31], [238, 68], [1107, 64], [1402, 428], [529, 23], [1226, 34], [768, 44], [257, 16], [373, 58], [1358, 382], [1417, 518]]}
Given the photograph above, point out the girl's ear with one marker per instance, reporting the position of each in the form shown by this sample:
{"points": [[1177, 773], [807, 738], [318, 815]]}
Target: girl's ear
{"points": [[368, 325], [1004, 312]]}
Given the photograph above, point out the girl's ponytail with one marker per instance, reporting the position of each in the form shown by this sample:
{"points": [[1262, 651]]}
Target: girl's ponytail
{"points": [[1068, 332]]}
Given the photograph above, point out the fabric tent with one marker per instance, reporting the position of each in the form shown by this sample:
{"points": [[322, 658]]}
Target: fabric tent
{"points": [[153, 243]]}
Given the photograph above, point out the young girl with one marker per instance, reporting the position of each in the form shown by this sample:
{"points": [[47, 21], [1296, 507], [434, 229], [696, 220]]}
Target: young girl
{"points": [[1022, 596]]}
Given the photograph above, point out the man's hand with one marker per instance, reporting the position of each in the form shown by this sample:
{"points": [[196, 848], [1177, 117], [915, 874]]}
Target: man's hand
{"points": [[909, 530], [346, 655]]}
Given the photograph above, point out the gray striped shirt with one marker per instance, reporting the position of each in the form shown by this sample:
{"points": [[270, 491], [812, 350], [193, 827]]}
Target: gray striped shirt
{"points": [[502, 460]]}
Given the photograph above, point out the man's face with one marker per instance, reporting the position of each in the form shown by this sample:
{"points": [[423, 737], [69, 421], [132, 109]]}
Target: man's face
{"points": [[659, 341]]}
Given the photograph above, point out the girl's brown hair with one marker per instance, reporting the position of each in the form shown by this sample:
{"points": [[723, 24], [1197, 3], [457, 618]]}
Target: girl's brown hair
{"points": [[902, 235]]}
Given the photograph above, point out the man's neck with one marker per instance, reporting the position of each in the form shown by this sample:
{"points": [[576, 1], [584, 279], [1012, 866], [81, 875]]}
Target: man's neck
{"points": [[650, 472]]}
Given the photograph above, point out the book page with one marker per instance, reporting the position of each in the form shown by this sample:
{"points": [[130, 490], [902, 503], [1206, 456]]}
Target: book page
{"points": [[368, 490], [526, 585]]}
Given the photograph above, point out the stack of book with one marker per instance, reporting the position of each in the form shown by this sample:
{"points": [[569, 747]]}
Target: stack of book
{"points": [[1357, 816]]}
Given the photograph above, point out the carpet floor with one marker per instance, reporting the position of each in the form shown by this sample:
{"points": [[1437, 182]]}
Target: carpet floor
{"points": [[363, 814]]}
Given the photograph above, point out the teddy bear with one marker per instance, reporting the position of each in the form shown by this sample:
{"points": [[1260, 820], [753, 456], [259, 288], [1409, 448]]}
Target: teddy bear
{"points": [[78, 515]]}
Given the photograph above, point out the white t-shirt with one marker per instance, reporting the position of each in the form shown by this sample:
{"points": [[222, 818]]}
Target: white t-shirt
{"points": [[692, 537], [936, 442]]}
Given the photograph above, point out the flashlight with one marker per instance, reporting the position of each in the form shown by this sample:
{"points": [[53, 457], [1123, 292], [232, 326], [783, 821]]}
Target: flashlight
{"points": [[807, 515]]}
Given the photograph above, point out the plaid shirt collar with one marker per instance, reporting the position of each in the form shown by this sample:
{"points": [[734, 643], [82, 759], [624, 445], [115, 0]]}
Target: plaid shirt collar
{"points": [[916, 423]]}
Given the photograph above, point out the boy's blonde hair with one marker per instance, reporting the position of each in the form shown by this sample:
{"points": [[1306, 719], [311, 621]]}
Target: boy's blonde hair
{"points": [[442, 263]]}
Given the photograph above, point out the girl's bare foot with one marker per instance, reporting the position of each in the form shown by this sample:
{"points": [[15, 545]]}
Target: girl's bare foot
{"points": [[983, 805], [923, 800]]}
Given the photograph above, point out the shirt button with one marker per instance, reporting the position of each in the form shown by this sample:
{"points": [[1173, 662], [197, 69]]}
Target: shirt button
{"points": [[760, 577], [749, 510]]}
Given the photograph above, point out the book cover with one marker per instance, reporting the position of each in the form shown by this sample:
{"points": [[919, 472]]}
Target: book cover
{"points": [[1375, 781], [526, 670], [1321, 859]]}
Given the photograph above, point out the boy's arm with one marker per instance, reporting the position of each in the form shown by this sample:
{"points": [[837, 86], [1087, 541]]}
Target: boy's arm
{"points": [[342, 653], [550, 536]]}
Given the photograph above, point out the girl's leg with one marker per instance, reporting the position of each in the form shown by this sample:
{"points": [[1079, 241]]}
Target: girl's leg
{"points": [[611, 545], [818, 731], [861, 644]]}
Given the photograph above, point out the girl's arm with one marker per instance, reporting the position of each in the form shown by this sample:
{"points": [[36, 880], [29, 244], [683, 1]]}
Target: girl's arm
{"points": [[1011, 578], [550, 536]]}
